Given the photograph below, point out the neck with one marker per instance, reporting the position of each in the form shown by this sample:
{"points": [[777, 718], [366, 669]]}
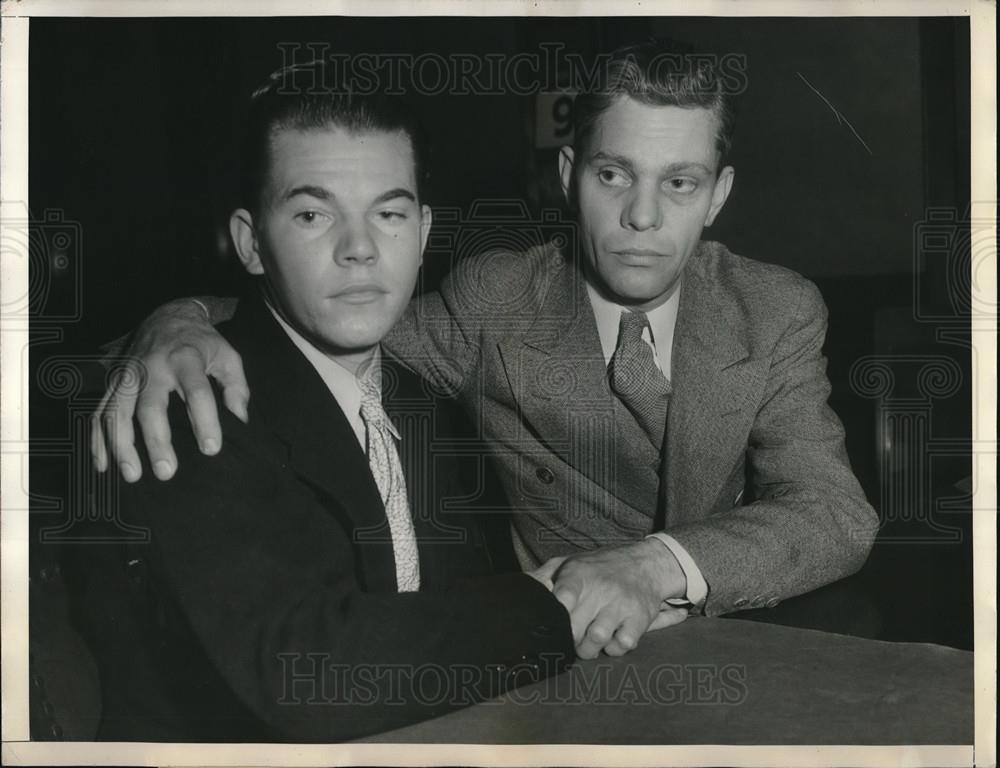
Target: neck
{"points": [[355, 361], [635, 305]]}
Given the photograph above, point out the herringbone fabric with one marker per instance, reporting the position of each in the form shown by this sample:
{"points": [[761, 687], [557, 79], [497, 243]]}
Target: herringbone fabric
{"points": [[387, 470], [637, 380]]}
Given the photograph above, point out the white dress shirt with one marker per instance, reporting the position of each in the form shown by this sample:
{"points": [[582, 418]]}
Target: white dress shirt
{"points": [[662, 322], [343, 384]]}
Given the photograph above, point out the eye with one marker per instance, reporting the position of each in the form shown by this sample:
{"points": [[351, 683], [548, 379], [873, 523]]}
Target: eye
{"points": [[614, 177], [391, 216], [310, 218], [683, 185]]}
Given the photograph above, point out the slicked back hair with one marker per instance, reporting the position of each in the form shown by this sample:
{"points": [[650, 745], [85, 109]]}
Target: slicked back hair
{"points": [[299, 98]]}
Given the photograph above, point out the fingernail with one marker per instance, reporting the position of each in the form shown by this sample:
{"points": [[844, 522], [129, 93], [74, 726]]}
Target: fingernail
{"points": [[162, 469], [210, 446], [128, 472]]}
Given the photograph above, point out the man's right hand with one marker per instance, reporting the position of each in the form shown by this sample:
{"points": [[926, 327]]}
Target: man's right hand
{"points": [[175, 349]]}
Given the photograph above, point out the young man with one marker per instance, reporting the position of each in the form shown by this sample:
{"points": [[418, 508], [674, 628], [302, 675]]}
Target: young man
{"points": [[657, 405], [307, 582]]}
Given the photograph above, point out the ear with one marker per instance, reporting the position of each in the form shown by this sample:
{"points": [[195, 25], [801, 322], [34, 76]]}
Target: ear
{"points": [[720, 194], [566, 170], [244, 237], [425, 228]]}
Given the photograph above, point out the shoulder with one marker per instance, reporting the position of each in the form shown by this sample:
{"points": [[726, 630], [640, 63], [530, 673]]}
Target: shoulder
{"points": [[498, 277], [758, 288], [247, 448]]}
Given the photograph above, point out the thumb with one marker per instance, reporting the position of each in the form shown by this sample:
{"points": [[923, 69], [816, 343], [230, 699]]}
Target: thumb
{"points": [[547, 570], [668, 617]]}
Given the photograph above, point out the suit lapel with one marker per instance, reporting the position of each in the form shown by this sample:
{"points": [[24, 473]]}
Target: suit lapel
{"points": [[415, 414], [714, 383], [559, 381], [291, 401]]}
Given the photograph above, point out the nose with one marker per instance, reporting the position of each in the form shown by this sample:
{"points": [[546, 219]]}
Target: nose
{"points": [[642, 209], [355, 245]]}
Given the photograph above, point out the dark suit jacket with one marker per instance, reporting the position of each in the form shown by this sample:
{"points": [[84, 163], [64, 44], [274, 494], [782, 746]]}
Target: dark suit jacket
{"points": [[756, 482], [266, 595]]}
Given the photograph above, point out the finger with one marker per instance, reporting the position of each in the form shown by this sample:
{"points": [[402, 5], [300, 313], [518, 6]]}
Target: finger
{"points": [[98, 451], [598, 635], [580, 612], [199, 400], [565, 595], [668, 617], [227, 369], [238, 403], [117, 420], [548, 569], [627, 635], [98, 444], [152, 417]]}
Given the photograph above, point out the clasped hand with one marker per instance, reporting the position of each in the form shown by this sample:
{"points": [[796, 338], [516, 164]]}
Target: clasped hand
{"points": [[615, 595]]}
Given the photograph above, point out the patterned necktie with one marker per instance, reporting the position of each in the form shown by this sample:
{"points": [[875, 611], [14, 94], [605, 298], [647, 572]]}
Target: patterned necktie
{"points": [[383, 458], [636, 379]]}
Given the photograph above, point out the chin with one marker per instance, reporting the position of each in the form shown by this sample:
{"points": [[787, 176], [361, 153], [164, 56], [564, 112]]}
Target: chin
{"points": [[345, 339], [637, 292]]}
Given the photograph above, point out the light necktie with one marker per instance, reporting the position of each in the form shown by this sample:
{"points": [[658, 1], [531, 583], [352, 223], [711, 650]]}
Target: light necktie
{"points": [[383, 459], [636, 379]]}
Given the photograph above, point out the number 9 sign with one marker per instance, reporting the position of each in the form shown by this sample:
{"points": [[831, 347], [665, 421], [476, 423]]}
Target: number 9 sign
{"points": [[553, 119]]}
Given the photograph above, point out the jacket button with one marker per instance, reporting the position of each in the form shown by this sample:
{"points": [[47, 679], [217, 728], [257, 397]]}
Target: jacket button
{"points": [[772, 602], [545, 475], [739, 603], [757, 601]]}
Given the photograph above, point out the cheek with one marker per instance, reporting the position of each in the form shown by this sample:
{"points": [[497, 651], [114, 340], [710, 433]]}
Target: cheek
{"points": [[399, 255], [600, 213]]}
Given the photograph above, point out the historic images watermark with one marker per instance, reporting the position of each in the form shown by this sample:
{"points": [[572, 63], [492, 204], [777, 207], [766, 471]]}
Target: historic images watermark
{"points": [[550, 68], [319, 679]]}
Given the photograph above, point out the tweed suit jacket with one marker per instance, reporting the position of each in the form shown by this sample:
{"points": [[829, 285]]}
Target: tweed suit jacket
{"points": [[273, 566], [757, 486]]}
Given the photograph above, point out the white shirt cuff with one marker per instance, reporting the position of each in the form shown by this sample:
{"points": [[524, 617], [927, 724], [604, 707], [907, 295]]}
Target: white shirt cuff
{"points": [[697, 587]]}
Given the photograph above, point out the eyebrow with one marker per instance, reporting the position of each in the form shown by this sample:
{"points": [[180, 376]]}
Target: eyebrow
{"points": [[322, 193], [628, 164]]}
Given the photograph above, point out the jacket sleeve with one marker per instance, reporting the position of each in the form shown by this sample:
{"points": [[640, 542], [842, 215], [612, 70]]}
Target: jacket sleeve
{"points": [[218, 309], [265, 576], [809, 522]]}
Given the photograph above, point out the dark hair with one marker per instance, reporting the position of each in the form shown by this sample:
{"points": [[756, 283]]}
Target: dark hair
{"points": [[657, 73], [300, 97]]}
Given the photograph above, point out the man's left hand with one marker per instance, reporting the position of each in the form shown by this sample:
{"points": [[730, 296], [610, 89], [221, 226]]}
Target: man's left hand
{"points": [[615, 595]]}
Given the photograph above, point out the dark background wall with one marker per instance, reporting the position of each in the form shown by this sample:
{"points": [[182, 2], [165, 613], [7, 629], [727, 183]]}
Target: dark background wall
{"points": [[852, 168]]}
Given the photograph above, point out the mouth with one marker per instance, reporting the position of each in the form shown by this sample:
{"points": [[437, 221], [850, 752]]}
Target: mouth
{"points": [[639, 253], [362, 293], [638, 256]]}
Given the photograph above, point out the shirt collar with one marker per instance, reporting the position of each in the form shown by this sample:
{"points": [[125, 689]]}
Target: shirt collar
{"points": [[662, 322], [343, 384]]}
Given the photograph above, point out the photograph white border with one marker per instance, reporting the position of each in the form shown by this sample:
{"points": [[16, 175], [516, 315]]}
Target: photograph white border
{"points": [[18, 749]]}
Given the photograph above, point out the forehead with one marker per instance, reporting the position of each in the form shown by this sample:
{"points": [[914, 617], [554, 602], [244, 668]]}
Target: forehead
{"points": [[355, 161], [656, 135]]}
